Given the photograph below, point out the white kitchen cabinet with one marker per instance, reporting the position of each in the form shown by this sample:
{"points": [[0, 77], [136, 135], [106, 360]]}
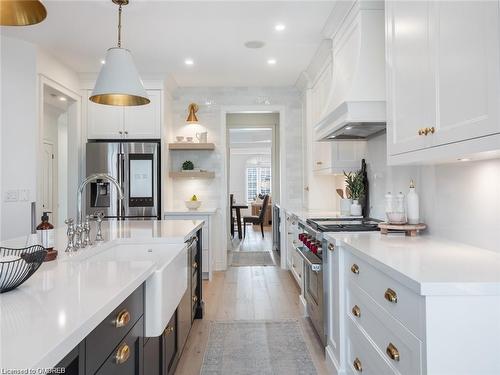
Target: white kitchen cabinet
{"points": [[383, 323], [443, 75], [468, 66], [144, 121], [337, 157], [207, 258], [104, 121], [114, 122], [411, 91], [335, 329]]}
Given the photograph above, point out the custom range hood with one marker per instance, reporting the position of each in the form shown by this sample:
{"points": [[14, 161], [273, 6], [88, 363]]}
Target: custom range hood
{"points": [[356, 107]]}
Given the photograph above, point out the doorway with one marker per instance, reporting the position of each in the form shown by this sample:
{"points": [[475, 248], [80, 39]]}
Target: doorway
{"points": [[59, 152], [253, 182]]}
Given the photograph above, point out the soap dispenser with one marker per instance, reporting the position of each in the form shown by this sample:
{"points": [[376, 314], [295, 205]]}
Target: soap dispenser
{"points": [[413, 209], [45, 231]]}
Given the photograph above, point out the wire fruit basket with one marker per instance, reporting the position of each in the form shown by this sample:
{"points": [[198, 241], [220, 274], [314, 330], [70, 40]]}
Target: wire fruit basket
{"points": [[17, 265]]}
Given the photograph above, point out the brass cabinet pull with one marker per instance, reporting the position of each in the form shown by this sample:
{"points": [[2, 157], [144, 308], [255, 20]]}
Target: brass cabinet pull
{"points": [[391, 296], [195, 265], [426, 131], [357, 365], [356, 311], [195, 299], [331, 247], [122, 319], [122, 354], [355, 269], [168, 330], [392, 352]]}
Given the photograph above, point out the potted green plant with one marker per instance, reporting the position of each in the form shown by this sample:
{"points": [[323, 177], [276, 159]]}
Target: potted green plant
{"points": [[187, 165], [355, 189]]}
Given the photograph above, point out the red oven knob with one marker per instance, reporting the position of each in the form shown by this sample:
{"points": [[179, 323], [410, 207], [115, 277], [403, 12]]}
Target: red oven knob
{"points": [[314, 248]]}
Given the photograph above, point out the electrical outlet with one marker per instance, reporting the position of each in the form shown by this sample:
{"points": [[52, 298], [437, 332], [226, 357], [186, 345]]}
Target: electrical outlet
{"points": [[24, 195], [11, 196]]}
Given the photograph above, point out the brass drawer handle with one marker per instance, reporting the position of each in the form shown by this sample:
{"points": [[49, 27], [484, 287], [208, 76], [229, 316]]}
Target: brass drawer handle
{"points": [[195, 265], [356, 311], [391, 296], [357, 365], [355, 269], [331, 247], [122, 319], [426, 131], [392, 352], [122, 354], [168, 330], [195, 299]]}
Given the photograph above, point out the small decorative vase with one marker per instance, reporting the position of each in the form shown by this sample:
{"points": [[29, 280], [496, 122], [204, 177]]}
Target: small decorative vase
{"points": [[355, 208]]}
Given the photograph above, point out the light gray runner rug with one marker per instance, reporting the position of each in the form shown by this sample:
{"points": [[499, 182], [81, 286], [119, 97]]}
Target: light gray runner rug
{"points": [[252, 258], [257, 348]]}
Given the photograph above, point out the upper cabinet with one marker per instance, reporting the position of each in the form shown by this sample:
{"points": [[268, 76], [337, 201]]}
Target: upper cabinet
{"points": [[443, 79], [138, 122]]}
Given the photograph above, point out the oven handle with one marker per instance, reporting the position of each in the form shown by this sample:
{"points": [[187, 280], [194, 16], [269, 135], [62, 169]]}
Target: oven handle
{"points": [[314, 267]]}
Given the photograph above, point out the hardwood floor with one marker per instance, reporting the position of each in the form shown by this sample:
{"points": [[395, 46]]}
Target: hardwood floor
{"points": [[253, 240], [248, 293]]}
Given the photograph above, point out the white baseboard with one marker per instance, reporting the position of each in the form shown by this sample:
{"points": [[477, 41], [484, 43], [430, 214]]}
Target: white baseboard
{"points": [[303, 305]]}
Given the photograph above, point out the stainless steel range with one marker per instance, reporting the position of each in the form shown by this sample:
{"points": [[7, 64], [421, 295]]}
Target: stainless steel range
{"points": [[315, 252]]}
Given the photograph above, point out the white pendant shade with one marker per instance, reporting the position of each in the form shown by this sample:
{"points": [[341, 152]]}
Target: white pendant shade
{"points": [[118, 82]]}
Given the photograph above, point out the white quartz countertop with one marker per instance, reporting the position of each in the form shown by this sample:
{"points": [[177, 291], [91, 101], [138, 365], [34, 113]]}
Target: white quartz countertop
{"points": [[426, 264], [185, 211], [46, 317], [309, 214]]}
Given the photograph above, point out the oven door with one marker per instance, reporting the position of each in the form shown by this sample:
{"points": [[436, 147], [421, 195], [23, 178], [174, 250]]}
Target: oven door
{"points": [[313, 292]]}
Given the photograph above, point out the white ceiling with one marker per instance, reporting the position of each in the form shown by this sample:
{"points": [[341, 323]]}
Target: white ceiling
{"points": [[162, 34]]}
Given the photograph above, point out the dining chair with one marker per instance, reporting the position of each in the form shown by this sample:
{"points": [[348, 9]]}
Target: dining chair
{"points": [[255, 220]]}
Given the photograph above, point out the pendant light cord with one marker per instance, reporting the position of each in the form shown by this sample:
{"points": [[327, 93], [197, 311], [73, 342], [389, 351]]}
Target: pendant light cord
{"points": [[120, 26]]}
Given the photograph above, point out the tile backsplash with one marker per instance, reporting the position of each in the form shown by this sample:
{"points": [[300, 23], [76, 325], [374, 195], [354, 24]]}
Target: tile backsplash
{"points": [[458, 201]]}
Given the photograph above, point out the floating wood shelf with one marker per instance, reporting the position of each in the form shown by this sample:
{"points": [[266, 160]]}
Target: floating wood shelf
{"points": [[192, 174], [191, 146]]}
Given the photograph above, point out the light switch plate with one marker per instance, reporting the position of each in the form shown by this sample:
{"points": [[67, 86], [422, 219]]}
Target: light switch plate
{"points": [[24, 195], [11, 196]]}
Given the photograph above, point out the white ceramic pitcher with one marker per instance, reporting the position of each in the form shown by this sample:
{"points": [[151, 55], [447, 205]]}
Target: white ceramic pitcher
{"points": [[202, 137]]}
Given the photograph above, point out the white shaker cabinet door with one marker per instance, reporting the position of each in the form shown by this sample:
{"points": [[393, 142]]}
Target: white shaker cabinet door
{"points": [[411, 90], [144, 121], [104, 121], [468, 65]]}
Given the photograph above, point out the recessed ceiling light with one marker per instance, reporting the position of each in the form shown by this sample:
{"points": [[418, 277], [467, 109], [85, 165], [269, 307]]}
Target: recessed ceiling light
{"points": [[332, 136], [254, 44], [279, 27], [348, 127], [464, 159], [103, 61], [62, 99], [271, 61], [189, 62]]}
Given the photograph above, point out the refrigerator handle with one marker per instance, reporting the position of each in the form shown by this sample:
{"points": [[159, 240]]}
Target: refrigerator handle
{"points": [[121, 170]]}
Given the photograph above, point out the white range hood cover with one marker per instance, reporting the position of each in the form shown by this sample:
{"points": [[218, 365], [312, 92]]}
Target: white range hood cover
{"points": [[357, 93]]}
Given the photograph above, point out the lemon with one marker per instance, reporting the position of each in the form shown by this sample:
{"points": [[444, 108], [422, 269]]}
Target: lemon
{"points": [[194, 198]]}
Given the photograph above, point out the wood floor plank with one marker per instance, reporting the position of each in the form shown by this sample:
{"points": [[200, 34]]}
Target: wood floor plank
{"points": [[249, 293]]}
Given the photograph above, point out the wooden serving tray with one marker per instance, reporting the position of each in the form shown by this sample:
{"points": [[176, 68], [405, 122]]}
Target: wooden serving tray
{"points": [[409, 229]]}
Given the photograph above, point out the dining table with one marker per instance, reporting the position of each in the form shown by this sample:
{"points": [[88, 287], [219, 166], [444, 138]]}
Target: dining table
{"points": [[238, 207]]}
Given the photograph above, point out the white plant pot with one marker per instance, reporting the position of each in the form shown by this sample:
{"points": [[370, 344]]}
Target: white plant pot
{"points": [[355, 208], [345, 207]]}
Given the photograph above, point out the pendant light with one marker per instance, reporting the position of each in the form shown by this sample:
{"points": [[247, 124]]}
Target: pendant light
{"points": [[118, 82], [21, 12], [192, 109]]}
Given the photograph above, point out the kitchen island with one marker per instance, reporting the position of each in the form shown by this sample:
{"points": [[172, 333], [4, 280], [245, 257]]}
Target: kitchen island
{"points": [[65, 300]]}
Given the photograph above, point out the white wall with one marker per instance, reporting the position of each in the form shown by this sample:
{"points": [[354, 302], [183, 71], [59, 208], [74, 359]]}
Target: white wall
{"points": [[459, 201], [19, 133], [211, 102]]}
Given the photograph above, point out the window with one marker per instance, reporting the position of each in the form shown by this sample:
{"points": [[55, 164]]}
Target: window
{"points": [[258, 182]]}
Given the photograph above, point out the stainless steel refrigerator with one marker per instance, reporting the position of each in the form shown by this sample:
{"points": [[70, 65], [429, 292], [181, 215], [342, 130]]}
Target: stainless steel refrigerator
{"points": [[136, 165]]}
